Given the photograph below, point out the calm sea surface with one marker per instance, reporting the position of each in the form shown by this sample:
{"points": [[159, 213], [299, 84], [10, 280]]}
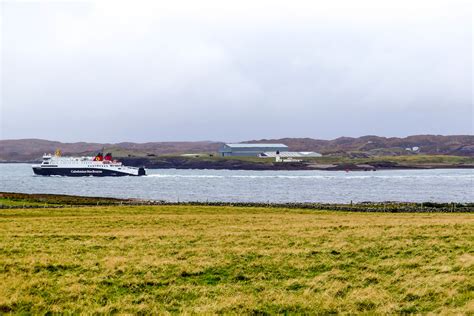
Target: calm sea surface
{"points": [[442, 185]]}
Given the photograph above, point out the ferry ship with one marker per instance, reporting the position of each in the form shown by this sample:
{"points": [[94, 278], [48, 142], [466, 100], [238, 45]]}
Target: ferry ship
{"points": [[98, 166]]}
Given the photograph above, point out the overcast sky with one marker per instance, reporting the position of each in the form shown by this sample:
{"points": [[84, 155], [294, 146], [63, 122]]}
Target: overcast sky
{"points": [[110, 71]]}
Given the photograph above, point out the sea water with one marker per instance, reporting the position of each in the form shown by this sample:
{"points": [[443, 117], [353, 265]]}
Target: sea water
{"points": [[436, 185]]}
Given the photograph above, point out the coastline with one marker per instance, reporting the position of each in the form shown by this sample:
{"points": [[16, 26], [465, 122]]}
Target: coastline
{"points": [[294, 168], [238, 164], [39, 200], [323, 164]]}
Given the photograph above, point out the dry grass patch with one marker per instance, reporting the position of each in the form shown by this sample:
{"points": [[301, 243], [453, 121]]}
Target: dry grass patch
{"points": [[236, 260]]}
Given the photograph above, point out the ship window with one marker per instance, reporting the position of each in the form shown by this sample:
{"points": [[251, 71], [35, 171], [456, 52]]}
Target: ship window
{"points": [[45, 162]]}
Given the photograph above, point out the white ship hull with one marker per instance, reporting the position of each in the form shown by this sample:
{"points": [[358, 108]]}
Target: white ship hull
{"points": [[82, 172], [84, 166]]}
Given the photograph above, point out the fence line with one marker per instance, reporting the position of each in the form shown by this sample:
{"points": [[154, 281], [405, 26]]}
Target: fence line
{"points": [[383, 207]]}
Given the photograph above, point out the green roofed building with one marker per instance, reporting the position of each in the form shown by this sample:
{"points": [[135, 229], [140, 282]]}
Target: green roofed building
{"points": [[250, 150]]}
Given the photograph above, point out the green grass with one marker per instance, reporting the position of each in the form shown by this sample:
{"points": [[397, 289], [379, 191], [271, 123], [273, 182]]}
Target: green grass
{"points": [[10, 202], [428, 159], [217, 156], [410, 159], [202, 259], [30, 200]]}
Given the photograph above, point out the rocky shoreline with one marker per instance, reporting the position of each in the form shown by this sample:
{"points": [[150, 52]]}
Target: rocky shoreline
{"points": [[235, 164], [177, 162]]}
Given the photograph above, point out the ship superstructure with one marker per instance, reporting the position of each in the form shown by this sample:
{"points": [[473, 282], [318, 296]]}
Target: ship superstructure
{"points": [[99, 165]]}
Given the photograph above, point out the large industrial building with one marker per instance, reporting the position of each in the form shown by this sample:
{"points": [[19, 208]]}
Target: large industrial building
{"points": [[249, 150]]}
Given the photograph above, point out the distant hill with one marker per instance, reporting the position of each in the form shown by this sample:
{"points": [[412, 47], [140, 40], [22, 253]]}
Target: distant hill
{"points": [[19, 150], [25, 150], [462, 145]]}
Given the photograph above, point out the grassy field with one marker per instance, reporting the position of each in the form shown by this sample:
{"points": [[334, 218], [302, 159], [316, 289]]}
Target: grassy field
{"points": [[403, 159], [20, 203], [44, 200], [335, 162], [234, 260]]}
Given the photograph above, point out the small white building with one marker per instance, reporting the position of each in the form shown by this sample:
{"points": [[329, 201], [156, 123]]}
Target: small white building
{"points": [[413, 149]]}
